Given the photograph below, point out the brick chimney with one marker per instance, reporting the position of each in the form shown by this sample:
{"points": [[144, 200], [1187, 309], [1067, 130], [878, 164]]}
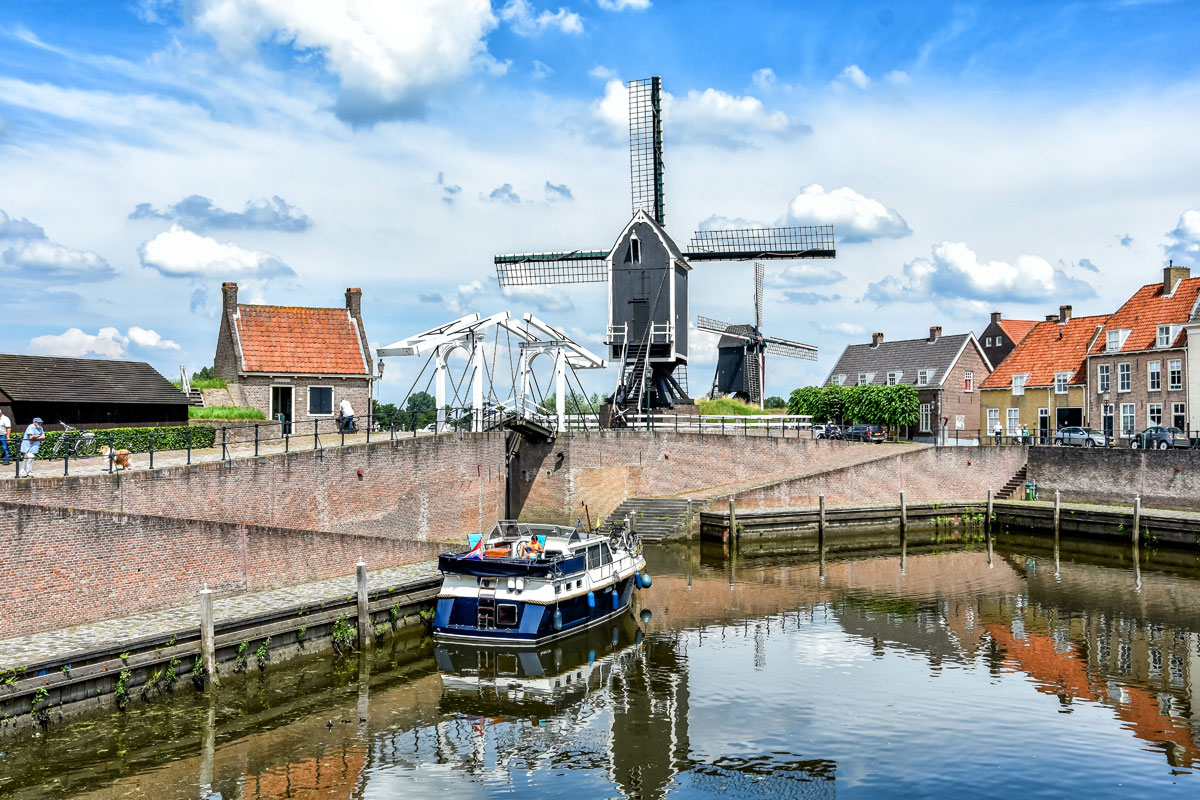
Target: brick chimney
{"points": [[996, 316], [935, 332], [1064, 314], [354, 302], [876, 339], [229, 298], [1052, 318], [1172, 275]]}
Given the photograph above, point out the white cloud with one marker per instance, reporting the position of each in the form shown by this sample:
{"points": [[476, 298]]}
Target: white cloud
{"points": [[108, 342], [541, 70], [955, 271], [150, 339], [544, 298], [389, 57], [526, 22], [44, 260], [466, 299], [13, 228], [622, 5], [764, 80], [179, 253], [602, 72], [845, 328], [855, 218], [702, 345], [898, 77], [803, 273], [854, 76], [1183, 243]]}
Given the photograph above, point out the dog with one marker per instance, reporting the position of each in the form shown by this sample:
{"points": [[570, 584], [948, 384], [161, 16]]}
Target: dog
{"points": [[119, 457]]}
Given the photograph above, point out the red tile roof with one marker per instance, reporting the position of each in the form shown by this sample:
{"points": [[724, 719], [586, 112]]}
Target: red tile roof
{"points": [[1042, 353], [1017, 329], [1146, 310], [299, 341]]}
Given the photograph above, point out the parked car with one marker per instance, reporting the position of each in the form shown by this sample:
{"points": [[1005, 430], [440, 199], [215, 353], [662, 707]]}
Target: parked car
{"points": [[828, 432], [430, 428], [1160, 437], [865, 433], [1077, 436]]}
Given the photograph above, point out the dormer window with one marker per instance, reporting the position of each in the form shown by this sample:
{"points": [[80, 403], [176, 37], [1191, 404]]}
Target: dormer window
{"points": [[840, 380], [1060, 382], [924, 377], [1115, 340], [1018, 384], [1164, 336], [894, 378], [865, 378]]}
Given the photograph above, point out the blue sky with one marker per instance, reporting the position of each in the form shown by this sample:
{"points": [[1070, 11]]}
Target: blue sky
{"points": [[973, 156]]}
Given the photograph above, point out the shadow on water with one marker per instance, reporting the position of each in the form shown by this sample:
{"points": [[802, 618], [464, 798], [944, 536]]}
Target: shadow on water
{"points": [[928, 670]]}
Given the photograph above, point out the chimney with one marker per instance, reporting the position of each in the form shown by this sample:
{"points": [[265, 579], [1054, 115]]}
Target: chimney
{"points": [[354, 302], [1064, 314], [996, 316], [1172, 275], [229, 298], [935, 332], [876, 339], [1051, 318]]}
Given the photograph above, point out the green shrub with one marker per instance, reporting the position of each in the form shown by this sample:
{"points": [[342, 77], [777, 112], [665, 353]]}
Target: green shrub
{"points": [[225, 412], [728, 406], [135, 440], [204, 383]]}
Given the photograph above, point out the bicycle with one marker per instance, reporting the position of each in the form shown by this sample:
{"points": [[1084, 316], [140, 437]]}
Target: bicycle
{"points": [[77, 443]]}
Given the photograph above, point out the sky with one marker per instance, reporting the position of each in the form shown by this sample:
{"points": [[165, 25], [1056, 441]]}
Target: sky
{"points": [[973, 157]]}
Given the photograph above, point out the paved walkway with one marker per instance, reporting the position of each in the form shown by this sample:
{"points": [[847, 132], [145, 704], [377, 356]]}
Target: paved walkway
{"points": [[40, 647]]}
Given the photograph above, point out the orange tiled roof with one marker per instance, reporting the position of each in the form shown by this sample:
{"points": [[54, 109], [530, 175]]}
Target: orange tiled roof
{"points": [[1146, 310], [1017, 329], [295, 340], [1042, 353]]}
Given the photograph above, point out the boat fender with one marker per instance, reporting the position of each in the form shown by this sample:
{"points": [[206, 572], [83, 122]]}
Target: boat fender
{"points": [[591, 600], [616, 599], [637, 637], [646, 615], [646, 582], [520, 584], [557, 619], [591, 657], [511, 584], [615, 640], [637, 580]]}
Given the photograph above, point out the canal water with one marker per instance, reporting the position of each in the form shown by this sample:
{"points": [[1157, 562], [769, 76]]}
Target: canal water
{"points": [[948, 672]]}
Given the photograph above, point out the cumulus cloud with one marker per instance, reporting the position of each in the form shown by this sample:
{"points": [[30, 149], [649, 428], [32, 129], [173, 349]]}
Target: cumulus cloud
{"points": [[855, 218], [622, 5], [556, 192], [702, 345], [106, 343], [180, 253], [504, 194], [525, 21], [602, 72], [43, 260], [845, 328], [1086, 263], [803, 273], [13, 228], [854, 76], [1183, 243], [466, 299], [543, 298], [199, 213], [389, 57], [955, 271], [898, 77]]}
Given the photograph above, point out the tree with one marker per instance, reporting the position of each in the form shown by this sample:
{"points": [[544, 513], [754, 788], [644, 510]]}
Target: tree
{"points": [[576, 403], [386, 415], [423, 406], [203, 374], [775, 401], [895, 406]]}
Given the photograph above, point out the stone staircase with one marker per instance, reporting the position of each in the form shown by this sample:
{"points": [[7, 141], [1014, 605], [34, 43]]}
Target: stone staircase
{"points": [[195, 398], [653, 517], [1015, 484]]}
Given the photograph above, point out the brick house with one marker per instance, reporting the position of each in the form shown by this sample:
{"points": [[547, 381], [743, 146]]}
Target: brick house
{"points": [[1001, 336], [1043, 382], [1137, 368], [946, 371], [295, 361]]}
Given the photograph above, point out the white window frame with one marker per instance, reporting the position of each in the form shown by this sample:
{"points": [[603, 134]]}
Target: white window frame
{"points": [[840, 380], [1179, 411], [924, 376], [926, 417], [1018, 384], [866, 378], [1013, 421], [999, 341], [1153, 410], [1124, 377], [1114, 339], [308, 400], [1174, 367], [969, 381], [1061, 381], [1164, 337], [1154, 376], [893, 378], [1104, 379], [993, 419], [988, 342], [1131, 408]]}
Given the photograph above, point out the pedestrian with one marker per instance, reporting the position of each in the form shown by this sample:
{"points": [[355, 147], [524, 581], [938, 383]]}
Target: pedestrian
{"points": [[999, 433], [347, 412], [5, 431], [30, 443], [1024, 434]]}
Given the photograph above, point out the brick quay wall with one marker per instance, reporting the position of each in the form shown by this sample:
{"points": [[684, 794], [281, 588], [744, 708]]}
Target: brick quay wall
{"points": [[1166, 479]]}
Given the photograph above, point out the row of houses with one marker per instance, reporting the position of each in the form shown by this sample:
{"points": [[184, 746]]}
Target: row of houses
{"points": [[1119, 372]]}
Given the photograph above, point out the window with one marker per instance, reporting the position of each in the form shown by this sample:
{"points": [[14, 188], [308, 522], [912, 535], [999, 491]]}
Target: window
{"points": [[865, 378], [1124, 377], [1154, 376], [968, 381], [924, 377], [320, 400], [894, 378], [1060, 382], [1175, 374], [1154, 413], [593, 556], [926, 417], [1164, 336], [1018, 384], [1014, 421], [840, 380], [987, 342], [1115, 340], [999, 341], [993, 419], [1127, 419], [635, 250], [1178, 418], [1103, 379]]}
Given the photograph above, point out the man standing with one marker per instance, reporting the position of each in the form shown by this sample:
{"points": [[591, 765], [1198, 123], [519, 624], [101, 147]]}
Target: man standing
{"points": [[347, 416], [30, 444], [5, 430]]}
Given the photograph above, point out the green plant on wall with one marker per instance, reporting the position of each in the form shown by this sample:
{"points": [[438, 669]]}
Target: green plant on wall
{"points": [[344, 635], [895, 406], [261, 653], [239, 664]]}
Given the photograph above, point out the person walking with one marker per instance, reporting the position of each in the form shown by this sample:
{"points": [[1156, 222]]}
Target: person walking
{"points": [[347, 416], [31, 442], [5, 431]]}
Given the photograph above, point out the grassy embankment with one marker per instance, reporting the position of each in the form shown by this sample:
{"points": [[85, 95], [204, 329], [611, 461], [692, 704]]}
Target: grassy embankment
{"points": [[728, 406], [225, 412]]}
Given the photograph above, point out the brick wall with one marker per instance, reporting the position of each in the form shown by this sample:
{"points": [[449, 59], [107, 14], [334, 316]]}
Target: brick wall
{"points": [[1139, 394], [256, 393], [65, 566], [1164, 479], [431, 488]]}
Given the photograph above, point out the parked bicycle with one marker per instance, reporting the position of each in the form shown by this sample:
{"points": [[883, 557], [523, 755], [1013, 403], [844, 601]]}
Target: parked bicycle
{"points": [[77, 443]]}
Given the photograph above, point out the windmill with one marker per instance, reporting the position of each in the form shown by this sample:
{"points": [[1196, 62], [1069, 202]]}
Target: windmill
{"points": [[647, 272], [742, 351]]}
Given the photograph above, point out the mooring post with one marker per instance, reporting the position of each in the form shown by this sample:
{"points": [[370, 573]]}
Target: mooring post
{"points": [[1057, 514], [732, 520], [364, 612], [208, 649], [987, 521], [1137, 518], [903, 516], [821, 523]]}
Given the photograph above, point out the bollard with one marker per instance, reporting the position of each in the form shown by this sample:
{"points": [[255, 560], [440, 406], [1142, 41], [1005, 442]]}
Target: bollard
{"points": [[1137, 518], [821, 523], [987, 521], [903, 516], [364, 613], [256, 440], [188, 436], [112, 454], [733, 534], [208, 649], [67, 460], [224, 447], [1057, 514]]}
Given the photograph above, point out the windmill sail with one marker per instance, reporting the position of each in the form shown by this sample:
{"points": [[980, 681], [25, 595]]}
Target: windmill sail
{"points": [[790, 349], [743, 244], [717, 326], [646, 147], [539, 269], [758, 294]]}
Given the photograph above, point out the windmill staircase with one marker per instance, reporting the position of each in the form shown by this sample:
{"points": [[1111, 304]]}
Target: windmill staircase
{"points": [[653, 518], [1014, 484]]}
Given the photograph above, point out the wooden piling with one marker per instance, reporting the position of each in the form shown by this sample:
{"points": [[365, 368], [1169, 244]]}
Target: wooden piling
{"points": [[821, 524], [903, 516], [208, 648], [364, 612], [733, 534], [1137, 518], [987, 521], [1057, 514]]}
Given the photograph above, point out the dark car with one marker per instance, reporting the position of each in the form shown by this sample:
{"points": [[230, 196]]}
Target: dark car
{"points": [[1160, 437], [1083, 437], [828, 432], [865, 433]]}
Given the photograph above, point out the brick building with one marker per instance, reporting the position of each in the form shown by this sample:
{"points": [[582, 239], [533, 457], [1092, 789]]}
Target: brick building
{"points": [[1001, 336], [946, 371], [295, 361], [1138, 366], [1042, 383]]}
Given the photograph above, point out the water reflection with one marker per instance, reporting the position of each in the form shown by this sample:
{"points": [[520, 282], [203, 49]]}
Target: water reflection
{"points": [[890, 674]]}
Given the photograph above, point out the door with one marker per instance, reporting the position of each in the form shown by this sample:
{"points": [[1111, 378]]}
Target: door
{"points": [[1069, 417], [281, 403], [1043, 426]]}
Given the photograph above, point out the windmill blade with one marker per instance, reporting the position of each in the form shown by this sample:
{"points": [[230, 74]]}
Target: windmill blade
{"points": [[744, 244], [717, 326], [790, 349], [758, 295], [540, 269], [645, 147]]}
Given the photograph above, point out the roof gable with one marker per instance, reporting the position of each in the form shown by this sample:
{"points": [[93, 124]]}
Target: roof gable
{"points": [[1017, 329], [299, 341], [1148, 308], [907, 356], [84, 380], [1047, 349]]}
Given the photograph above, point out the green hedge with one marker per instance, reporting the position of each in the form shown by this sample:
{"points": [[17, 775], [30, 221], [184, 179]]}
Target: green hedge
{"points": [[135, 440]]}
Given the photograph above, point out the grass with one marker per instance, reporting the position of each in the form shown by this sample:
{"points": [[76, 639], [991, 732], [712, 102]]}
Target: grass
{"points": [[206, 383], [225, 412], [727, 406]]}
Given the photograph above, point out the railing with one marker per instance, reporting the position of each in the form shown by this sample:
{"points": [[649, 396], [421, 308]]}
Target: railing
{"points": [[185, 383]]}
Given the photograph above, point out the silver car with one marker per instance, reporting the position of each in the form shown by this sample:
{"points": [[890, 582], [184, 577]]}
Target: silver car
{"points": [[1077, 436]]}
